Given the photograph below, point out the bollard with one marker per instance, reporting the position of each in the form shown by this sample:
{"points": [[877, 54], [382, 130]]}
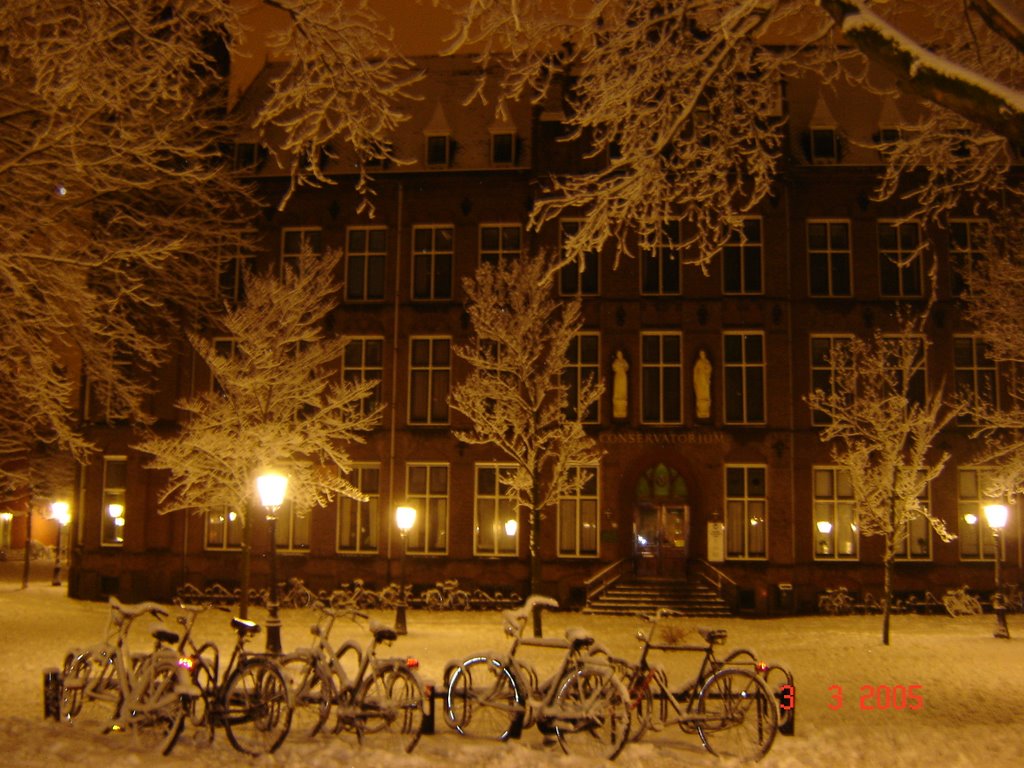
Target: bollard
{"points": [[428, 709], [51, 692]]}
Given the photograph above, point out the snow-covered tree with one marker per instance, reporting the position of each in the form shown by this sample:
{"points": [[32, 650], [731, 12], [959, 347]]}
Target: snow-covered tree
{"points": [[882, 424], [679, 96], [277, 401], [517, 396], [117, 199]]}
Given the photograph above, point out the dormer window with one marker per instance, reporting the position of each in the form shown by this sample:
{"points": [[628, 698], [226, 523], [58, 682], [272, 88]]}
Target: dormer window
{"points": [[824, 145], [503, 148], [438, 150]]}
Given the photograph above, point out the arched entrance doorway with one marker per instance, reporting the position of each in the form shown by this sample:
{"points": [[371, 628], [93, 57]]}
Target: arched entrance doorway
{"points": [[661, 524]]}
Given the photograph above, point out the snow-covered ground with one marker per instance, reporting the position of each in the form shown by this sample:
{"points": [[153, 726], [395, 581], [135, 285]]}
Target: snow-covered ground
{"points": [[971, 688]]}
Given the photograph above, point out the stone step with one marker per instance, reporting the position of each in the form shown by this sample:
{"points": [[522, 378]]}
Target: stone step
{"points": [[647, 595]]}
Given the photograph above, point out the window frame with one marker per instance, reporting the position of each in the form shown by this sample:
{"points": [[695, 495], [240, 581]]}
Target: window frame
{"points": [[737, 255], [746, 500], [821, 371], [494, 255], [573, 503], [373, 262], [829, 254], [290, 257], [660, 369], [574, 279], [979, 532], [230, 531], [578, 371], [912, 271], [359, 512], [746, 369], [982, 372], [113, 495], [826, 548], [363, 371], [657, 261], [439, 288], [426, 510], [497, 499], [432, 372]]}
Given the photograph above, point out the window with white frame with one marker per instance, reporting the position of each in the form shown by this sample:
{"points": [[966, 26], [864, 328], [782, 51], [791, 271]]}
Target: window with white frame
{"points": [[661, 377], [429, 379], [974, 375], [499, 242], [913, 347], [358, 518], [363, 360], [582, 366], [966, 249], [916, 537], [746, 512], [294, 239], [503, 147], [899, 262], [113, 510], [232, 273], [742, 269], [366, 255], [580, 277], [661, 266], [496, 521], [292, 528], [974, 535], [835, 526], [223, 529], [828, 258], [439, 149], [433, 250], [744, 377], [427, 491], [823, 349], [578, 518]]}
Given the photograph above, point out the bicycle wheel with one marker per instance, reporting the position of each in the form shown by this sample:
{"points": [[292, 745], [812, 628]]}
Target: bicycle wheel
{"points": [[256, 707], [89, 694], [483, 699], [391, 708], [591, 712], [741, 657], [737, 715], [158, 713], [198, 708], [312, 693]]}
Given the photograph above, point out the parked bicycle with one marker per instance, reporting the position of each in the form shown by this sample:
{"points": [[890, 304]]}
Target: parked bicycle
{"points": [[107, 686], [372, 697], [584, 703], [959, 602], [835, 602], [250, 699], [728, 704], [446, 596]]}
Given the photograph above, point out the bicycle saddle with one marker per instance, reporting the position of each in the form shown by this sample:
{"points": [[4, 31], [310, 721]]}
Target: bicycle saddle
{"points": [[713, 636], [244, 626]]}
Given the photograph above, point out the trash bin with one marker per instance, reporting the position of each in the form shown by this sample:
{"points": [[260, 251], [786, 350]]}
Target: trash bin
{"points": [[784, 597]]}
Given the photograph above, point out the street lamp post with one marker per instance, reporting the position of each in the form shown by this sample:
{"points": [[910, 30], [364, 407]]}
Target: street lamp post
{"points": [[271, 487], [59, 513], [405, 518], [996, 515]]}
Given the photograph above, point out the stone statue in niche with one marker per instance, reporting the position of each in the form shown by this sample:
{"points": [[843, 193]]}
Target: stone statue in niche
{"points": [[620, 387], [702, 385]]}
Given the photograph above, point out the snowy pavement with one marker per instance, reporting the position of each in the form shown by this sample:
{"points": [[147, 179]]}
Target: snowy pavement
{"points": [[970, 713]]}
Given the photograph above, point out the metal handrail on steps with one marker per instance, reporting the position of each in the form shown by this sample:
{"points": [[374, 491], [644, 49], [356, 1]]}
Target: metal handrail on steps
{"points": [[717, 580], [599, 583]]}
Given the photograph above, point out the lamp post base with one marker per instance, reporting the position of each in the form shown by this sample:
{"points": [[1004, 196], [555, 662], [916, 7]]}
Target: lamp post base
{"points": [[273, 630], [400, 626]]}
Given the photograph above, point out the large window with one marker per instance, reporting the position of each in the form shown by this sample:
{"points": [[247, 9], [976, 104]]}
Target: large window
{"points": [[835, 526], [911, 347], [661, 266], [363, 360], [974, 534], [292, 528], [899, 263], [358, 520], [365, 259], [429, 379], [661, 377], [580, 278], [232, 273], [828, 258], [916, 543], [223, 530], [746, 512], [433, 250], [966, 248], [292, 241], [975, 375], [823, 369], [496, 521], [427, 491], [500, 241], [741, 260], [744, 377], [582, 367], [113, 510], [578, 518]]}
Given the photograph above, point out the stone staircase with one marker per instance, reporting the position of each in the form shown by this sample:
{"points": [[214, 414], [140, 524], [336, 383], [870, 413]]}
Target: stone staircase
{"points": [[632, 596]]}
